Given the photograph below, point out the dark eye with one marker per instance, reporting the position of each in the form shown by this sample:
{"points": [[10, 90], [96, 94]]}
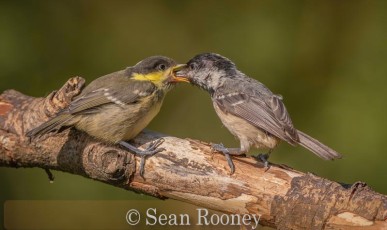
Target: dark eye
{"points": [[193, 66], [161, 67]]}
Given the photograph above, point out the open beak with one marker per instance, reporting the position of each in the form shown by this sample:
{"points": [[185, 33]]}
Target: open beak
{"points": [[176, 79]]}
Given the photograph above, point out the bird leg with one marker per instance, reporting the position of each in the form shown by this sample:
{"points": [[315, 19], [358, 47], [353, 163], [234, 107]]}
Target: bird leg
{"points": [[228, 152], [151, 150], [264, 157]]}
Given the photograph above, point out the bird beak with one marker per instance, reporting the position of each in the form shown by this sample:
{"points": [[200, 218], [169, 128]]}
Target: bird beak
{"points": [[176, 79]]}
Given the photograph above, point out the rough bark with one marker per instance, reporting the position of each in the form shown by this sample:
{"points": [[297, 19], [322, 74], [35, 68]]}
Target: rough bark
{"points": [[186, 171]]}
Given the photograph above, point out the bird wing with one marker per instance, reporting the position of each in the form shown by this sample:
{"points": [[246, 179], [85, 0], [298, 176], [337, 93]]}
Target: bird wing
{"points": [[265, 112], [92, 100], [120, 95]]}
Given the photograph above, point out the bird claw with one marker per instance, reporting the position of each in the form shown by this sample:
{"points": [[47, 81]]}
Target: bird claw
{"points": [[264, 158], [220, 148], [154, 144], [152, 148]]}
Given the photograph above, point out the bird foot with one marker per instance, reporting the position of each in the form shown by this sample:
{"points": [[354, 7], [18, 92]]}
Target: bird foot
{"points": [[151, 150], [264, 158], [220, 148]]}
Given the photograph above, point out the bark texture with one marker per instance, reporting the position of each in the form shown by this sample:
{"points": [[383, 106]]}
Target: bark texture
{"points": [[187, 171]]}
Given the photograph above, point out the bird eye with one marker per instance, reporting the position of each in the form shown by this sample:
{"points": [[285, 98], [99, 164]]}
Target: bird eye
{"points": [[193, 66], [161, 67]]}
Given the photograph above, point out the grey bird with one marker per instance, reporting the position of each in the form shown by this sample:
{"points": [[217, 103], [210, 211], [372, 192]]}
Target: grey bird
{"points": [[248, 109], [116, 107]]}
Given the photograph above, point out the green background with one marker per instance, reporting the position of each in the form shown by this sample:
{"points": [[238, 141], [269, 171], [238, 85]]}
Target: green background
{"points": [[327, 58]]}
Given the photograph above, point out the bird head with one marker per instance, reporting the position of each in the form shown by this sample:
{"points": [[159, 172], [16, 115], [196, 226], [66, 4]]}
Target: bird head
{"points": [[208, 71], [159, 70]]}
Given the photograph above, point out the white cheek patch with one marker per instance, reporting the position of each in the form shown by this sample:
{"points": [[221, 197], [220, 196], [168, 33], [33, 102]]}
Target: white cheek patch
{"points": [[217, 78], [209, 78]]}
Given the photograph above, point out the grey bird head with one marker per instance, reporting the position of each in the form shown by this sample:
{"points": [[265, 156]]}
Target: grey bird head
{"points": [[208, 71]]}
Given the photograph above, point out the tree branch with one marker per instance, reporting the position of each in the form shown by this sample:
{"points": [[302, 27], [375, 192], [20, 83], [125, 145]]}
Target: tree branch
{"points": [[186, 171]]}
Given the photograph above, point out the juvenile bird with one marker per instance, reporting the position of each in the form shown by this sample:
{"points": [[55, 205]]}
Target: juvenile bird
{"points": [[248, 109], [116, 107]]}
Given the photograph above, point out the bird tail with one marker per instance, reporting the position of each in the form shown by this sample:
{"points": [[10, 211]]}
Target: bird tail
{"points": [[317, 147], [51, 125]]}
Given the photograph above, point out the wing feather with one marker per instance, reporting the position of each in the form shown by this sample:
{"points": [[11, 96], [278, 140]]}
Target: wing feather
{"points": [[267, 113], [281, 114], [92, 101]]}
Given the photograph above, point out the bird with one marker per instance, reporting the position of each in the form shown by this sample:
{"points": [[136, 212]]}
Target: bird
{"points": [[116, 107], [248, 109]]}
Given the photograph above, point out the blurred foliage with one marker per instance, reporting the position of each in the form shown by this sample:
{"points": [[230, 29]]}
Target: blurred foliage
{"points": [[327, 58]]}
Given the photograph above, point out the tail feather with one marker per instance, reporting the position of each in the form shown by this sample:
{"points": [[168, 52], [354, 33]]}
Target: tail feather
{"points": [[317, 147], [51, 125]]}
